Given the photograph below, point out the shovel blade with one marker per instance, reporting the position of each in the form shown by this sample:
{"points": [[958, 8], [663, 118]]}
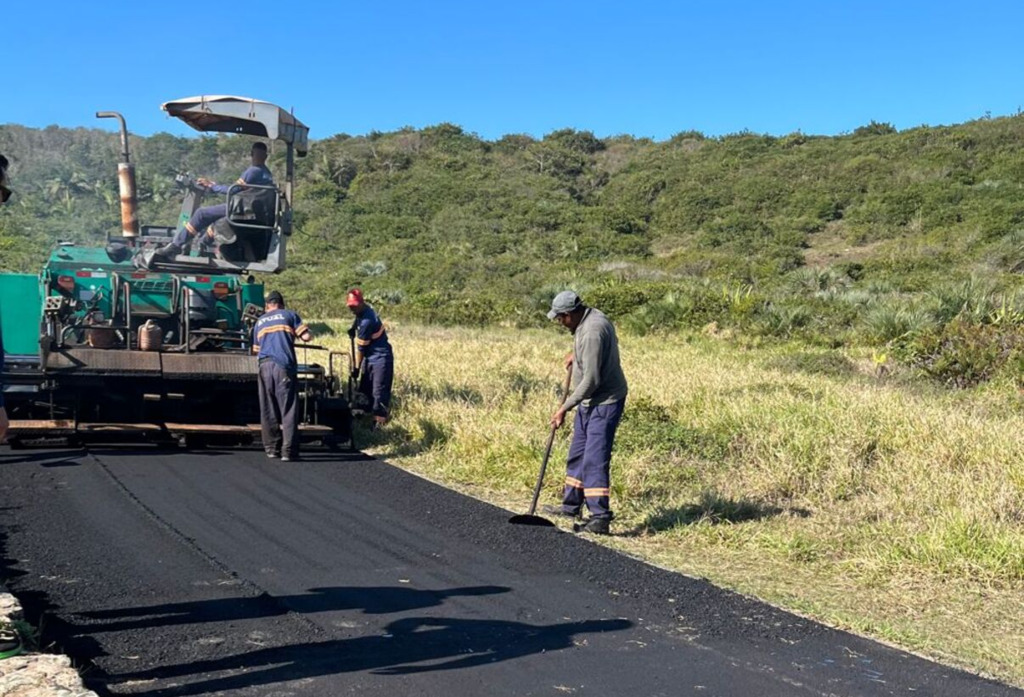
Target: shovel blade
{"points": [[534, 520]]}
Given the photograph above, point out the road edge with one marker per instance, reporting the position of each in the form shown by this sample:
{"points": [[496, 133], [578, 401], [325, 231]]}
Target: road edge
{"points": [[33, 674]]}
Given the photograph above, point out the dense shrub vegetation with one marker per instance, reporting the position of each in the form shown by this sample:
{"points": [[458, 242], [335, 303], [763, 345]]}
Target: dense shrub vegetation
{"points": [[912, 238]]}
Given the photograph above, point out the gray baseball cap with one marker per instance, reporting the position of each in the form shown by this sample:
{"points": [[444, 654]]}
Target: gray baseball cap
{"points": [[564, 303]]}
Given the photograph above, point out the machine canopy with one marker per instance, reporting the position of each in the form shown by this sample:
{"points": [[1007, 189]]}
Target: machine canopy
{"points": [[252, 117]]}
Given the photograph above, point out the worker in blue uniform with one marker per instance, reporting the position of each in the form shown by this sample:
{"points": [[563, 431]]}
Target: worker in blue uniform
{"points": [[274, 344], [199, 224], [599, 397], [375, 361]]}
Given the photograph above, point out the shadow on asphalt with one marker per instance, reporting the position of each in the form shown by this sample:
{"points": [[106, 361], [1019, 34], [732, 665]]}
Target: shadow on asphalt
{"points": [[48, 458], [306, 455], [407, 646], [370, 599]]}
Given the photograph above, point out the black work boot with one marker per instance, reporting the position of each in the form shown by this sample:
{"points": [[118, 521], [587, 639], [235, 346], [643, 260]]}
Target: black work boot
{"points": [[595, 526], [168, 251]]}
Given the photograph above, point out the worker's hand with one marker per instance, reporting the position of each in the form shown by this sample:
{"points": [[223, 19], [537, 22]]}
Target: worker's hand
{"points": [[558, 418], [206, 183], [351, 332], [568, 360]]}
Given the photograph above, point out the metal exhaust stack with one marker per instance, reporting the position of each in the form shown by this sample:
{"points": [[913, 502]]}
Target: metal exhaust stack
{"points": [[126, 183]]}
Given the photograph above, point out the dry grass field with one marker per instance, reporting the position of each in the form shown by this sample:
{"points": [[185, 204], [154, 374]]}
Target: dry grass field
{"points": [[883, 505]]}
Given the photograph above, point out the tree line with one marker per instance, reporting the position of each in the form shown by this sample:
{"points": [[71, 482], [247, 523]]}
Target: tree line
{"points": [[877, 236]]}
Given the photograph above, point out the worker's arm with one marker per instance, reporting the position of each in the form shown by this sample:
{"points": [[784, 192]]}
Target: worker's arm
{"points": [[364, 337], [588, 372], [248, 176], [302, 330]]}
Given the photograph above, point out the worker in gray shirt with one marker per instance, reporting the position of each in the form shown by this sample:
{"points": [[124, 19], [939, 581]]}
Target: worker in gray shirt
{"points": [[599, 397]]}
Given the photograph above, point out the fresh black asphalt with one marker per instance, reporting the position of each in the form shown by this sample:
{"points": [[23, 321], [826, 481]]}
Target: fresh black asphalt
{"points": [[222, 572]]}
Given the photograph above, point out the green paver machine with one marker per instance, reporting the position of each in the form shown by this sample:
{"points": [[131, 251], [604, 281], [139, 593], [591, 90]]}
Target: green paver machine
{"points": [[118, 343]]}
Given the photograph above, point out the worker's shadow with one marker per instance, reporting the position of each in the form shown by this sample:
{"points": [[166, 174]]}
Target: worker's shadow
{"points": [[409, 645], [371, 600], [711, 509]]}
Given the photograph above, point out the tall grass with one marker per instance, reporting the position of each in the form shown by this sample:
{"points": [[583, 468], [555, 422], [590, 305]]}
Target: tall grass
{"points": [[788, 472]]}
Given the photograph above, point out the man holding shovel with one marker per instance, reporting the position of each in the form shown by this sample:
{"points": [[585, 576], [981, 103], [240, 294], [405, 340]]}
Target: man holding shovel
{"points": [[600, 395], [374, 366]]}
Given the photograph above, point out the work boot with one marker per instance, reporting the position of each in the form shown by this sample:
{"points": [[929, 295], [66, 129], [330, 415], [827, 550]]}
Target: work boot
{"points": [[168, 251], [558, 511], [595, 526]]}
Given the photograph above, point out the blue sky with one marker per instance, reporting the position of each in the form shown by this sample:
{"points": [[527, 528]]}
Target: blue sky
{"points": [[645, 68]]}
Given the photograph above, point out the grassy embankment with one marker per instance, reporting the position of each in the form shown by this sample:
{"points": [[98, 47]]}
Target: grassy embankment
{"points": [[878, 504]]}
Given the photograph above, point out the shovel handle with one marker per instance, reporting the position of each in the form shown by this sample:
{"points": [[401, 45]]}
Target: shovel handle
{"points": [[551, 442]]}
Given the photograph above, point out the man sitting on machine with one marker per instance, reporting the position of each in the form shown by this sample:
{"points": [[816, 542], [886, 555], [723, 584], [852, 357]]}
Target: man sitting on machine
{"points": [[201, 222]]}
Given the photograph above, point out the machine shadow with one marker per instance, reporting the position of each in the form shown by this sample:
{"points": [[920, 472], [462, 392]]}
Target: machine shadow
{"points": [[371, 600], [47, 458], [408, 646]]}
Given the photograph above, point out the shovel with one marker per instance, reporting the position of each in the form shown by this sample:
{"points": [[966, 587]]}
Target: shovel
{"points": [[529, 518], [356, 398]]}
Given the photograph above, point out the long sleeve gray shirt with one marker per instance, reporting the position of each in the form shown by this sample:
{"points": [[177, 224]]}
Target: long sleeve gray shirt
{"points": [[597, 371]]}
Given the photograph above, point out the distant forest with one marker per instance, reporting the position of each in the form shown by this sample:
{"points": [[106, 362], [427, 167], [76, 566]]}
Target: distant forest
{"points": [[873, 237]]}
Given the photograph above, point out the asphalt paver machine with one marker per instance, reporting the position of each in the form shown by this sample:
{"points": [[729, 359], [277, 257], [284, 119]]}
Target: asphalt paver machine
{"points": [[118, 343]]}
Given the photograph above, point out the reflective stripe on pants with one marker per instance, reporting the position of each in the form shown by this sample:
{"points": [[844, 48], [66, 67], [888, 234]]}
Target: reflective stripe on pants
{"points": [[203, 218], [590, 459]]}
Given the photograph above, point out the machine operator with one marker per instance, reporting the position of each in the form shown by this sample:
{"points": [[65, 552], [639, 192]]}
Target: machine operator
{"points": [[199, 225]]}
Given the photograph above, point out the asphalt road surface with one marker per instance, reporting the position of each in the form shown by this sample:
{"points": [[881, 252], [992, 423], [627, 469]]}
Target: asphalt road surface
{"points": [[221, 572]]}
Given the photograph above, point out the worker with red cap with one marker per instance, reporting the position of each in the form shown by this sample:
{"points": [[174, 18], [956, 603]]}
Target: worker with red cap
{"points": [[374, 367]]}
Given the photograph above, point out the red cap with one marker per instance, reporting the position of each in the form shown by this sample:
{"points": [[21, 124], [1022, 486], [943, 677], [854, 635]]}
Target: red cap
{"points": [[355, 298]]}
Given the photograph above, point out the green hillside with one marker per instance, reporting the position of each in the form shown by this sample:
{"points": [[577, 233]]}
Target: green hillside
{"points": [[878, 236]]}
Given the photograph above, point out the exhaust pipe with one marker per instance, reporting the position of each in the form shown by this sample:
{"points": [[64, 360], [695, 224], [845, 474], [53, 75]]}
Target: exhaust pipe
{"points": [[126, 183]]}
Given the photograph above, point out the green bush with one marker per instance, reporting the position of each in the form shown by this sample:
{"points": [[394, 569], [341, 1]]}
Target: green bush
{"points": [[965, 354], [896, 321]]}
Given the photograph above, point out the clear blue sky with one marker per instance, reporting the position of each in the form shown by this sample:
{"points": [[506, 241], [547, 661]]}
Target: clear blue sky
{"points": [[640, 67]]}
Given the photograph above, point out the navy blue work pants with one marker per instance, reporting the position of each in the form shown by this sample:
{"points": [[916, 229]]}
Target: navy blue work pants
{"points": [[279, 423], [378, 374], [203, 218], [587, 474]]}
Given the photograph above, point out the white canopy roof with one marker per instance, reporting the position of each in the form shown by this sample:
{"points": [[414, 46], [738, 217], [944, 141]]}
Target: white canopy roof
{"points": [[228, 114]]}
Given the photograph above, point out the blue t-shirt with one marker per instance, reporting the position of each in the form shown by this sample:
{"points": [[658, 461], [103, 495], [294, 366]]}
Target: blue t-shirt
{"points": [[371, 339], [256, 175], [274, 335]]}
